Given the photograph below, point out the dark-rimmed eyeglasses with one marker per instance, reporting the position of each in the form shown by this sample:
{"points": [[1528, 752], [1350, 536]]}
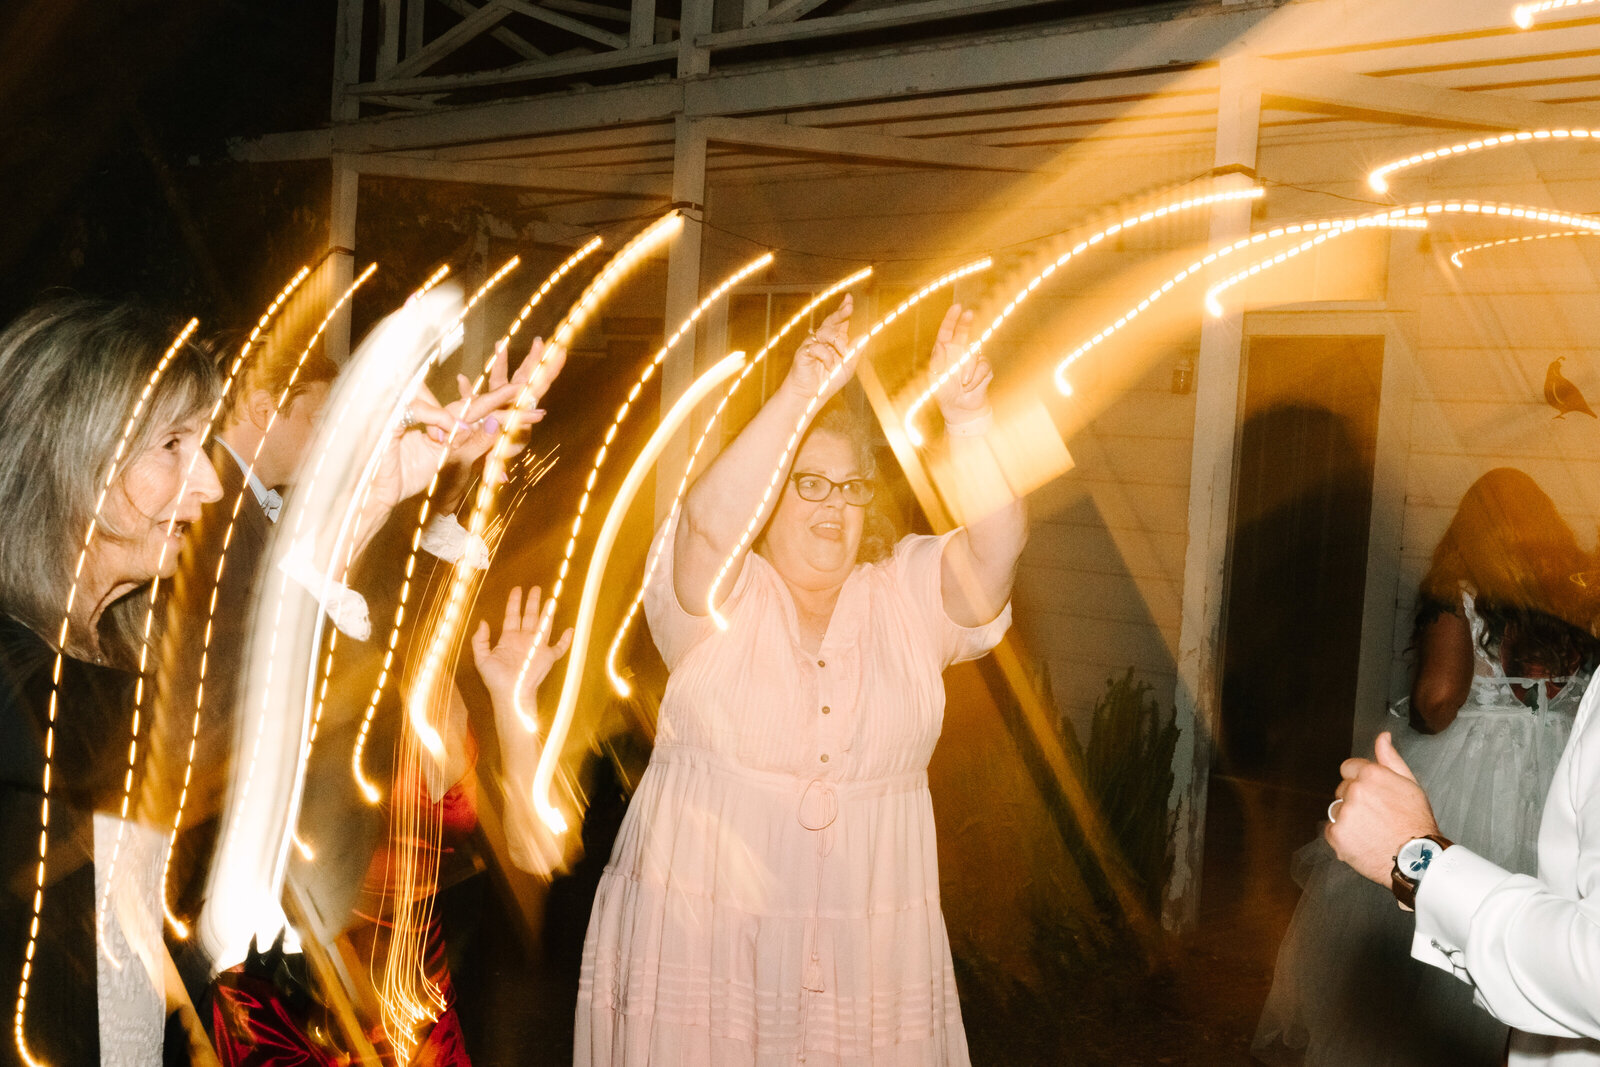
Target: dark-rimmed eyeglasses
{"points": [[814, 488]]}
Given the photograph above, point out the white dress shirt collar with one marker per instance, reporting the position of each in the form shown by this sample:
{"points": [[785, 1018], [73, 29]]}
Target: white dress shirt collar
{"points": [[270, 500]]}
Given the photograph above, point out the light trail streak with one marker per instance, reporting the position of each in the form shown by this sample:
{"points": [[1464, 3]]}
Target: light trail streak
{"points": [[618, 683], [449, 332], [1214, 305], [179, 928], [759, 263], [1524, 14], [250, 467], [922, 399], [1290, 230], [1378, 179], [644, 243], [369, 789], [805, 417], [19, 1021], [550, 753], [1455, 257]]}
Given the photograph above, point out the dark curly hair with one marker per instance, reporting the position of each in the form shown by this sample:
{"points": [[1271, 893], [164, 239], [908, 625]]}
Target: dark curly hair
{"points": [[841, 418]]}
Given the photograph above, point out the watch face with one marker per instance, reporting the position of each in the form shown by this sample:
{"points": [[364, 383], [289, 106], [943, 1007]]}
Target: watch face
{"points": [[1415, 856]]}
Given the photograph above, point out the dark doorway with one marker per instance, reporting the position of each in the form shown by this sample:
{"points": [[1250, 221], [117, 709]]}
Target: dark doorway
{"points": [[1292, 630]]}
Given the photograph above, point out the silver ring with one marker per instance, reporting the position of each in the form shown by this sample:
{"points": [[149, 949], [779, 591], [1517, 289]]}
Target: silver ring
{"points": [[1333, 804], [407, 418], [813, 339]]}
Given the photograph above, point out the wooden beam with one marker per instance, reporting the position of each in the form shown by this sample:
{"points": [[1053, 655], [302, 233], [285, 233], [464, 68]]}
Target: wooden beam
{"points": [[564, 22], [554, 67], [527, 177], [1312, 86], [511, 40], [810, 140], [681, 366], [694, 59], [753, 12], [346, 60], [778, 23], [414, 26], [388, 36], [1219, 375], [480, 21], [787, 11], [642, 23]]}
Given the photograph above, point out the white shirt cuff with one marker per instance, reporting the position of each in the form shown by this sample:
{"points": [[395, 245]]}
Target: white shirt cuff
{"points": [[1448, 898], [444, 538], [345, 607]]}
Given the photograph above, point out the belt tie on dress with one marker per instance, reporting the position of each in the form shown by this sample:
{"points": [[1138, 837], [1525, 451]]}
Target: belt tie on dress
{"points": [[818, 808]]}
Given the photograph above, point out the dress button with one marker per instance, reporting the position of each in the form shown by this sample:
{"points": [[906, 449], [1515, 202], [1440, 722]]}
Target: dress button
{"points": [[826, 709], [822, 663], [824, 757]]}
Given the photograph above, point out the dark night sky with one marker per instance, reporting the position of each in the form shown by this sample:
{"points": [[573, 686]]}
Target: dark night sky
{"points": [[103, 104], [114, 119]]}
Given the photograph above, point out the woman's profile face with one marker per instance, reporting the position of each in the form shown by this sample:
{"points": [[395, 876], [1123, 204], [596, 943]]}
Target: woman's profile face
{"points": [[813, 544], [170, 480]]}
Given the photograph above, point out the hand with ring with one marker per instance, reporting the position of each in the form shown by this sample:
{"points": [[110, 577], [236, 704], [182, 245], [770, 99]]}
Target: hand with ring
{"points": [[823, 361]]}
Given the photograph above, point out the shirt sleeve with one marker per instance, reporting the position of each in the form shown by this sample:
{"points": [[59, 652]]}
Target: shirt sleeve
{"points": [[675, 629], [919, 570], [1532, 956]]}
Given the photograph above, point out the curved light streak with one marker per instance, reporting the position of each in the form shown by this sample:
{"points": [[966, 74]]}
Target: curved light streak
{"points": [[805, 417], [1524, 14], [1455, 257], [368, 788], [643, 244], [922, 399], [179, 928], [550, 752], [333, 639], [1214, 304], [1378, 179], [20, 1019], [1315, 226], [759, 263], [618, 683], [244, 887]]}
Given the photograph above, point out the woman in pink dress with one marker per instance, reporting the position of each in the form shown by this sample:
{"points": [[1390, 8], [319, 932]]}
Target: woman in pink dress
{"points": [[773, 897]]}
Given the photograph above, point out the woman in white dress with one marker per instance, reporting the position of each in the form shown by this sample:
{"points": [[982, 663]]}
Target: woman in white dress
{"points": [[1502, 659], [773, 896]]}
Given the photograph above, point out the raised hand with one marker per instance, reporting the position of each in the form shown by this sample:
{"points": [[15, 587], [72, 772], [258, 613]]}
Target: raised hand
{"points": [[821, 353], [500, 664], [965, 395], [497, 408]]}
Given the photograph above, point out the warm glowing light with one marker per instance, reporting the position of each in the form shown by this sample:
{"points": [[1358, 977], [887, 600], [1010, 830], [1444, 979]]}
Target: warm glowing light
{"points": [[1316, 226], [1160, 212], [369, 790], [1378, 179], [856, 349], [1456, 257], [619, 683], [179, 928], [550, 753], [112, 470], [1524, 14], [1212, 300], [761, 262], [631, 254]]}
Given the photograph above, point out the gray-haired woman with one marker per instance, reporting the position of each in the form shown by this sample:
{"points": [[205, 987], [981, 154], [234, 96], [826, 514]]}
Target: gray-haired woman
{"points": [[73, 372]]}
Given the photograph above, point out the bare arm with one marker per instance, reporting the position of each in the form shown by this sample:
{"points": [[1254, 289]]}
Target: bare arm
{"points": [[719, 506], [980, 561], [1444, 672]]}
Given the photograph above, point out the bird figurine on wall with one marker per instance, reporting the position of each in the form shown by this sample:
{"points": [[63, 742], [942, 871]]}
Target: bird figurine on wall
{"points": [[1562, 395]]}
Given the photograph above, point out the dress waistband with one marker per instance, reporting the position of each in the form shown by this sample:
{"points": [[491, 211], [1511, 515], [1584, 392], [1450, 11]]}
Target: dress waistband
{"points": [[817, 798]]}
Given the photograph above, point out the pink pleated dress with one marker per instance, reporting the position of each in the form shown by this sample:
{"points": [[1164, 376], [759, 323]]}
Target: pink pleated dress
{"points": [[773, 896]]}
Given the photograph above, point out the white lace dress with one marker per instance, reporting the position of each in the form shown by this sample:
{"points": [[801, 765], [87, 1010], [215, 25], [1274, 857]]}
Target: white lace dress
{"points": [[773, 896], [1345, 990]]}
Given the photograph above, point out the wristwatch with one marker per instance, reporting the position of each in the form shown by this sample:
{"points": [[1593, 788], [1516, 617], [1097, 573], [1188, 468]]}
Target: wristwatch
{"points": [[1411, 863]]}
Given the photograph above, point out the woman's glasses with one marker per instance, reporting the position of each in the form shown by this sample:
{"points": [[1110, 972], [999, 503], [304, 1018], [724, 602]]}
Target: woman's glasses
{"points": [[814, 488]]}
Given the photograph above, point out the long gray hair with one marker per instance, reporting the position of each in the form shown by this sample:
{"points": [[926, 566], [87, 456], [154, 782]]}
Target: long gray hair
{"points": [[73, 370]]}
